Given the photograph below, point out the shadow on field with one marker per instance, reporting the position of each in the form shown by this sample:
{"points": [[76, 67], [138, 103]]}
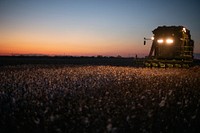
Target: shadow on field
{"points": [[63, 60], [70, 60]]}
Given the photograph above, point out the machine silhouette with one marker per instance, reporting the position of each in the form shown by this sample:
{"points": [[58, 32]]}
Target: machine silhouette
{"points": [[172, 46]]}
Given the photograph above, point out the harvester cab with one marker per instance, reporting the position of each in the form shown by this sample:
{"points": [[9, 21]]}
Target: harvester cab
{"points": [[172, 46]]}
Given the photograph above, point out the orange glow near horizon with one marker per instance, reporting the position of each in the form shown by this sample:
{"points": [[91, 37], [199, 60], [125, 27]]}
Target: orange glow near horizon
{"points": [[73, 50], [74, 44]]}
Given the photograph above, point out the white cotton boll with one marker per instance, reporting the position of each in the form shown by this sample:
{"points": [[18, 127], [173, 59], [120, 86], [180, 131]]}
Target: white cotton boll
{"points": [[107, 92], [13, 100], [162, 103], [133, 108], [109, 127], [170, 92], [109, 120], [58, 130], [37, 121], [86, 120], [57, 117], [140, 105], [46, 110], [150, 113], [127, 118], [177, 84], [142, 97], [193, 117], [133, 116], [80, 109], [52, 118]]}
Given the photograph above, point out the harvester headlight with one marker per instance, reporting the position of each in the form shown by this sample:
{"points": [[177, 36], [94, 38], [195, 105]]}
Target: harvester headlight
{"points": [[160, 41], [184, 30], [169, 41], [152, 38]]}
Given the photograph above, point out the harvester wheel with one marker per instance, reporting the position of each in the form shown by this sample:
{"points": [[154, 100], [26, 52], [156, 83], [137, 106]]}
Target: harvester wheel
{"points": [[162, 65], [177, 65], [154, 64], [147, 64], [170, 65], [185, 65]]}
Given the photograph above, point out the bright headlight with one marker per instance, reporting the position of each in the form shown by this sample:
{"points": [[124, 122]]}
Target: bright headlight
{"points": [[160, 41], [169, 41], [184, 30]]}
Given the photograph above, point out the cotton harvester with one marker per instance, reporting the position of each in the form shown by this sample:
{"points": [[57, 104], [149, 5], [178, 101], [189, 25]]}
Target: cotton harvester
{"points": [[172, 46]]}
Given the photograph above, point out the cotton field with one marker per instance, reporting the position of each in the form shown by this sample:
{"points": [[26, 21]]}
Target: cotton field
{"points": [[41, 98]]}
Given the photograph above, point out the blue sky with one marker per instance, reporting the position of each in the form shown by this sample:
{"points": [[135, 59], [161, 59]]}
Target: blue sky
{"points": [[107, 27]]}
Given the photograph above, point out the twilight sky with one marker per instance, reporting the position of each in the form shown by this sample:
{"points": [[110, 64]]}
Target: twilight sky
{"points": [[90, 27]]}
